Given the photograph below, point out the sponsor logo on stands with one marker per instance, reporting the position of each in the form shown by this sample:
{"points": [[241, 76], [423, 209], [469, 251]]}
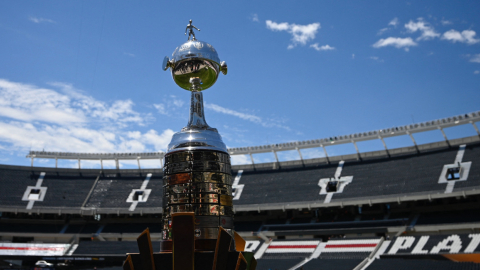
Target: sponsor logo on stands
{"points": [[435, 244], [33, 249], [73, 259], [332, 246], [251, 245], [361, 245], [292, 247]]}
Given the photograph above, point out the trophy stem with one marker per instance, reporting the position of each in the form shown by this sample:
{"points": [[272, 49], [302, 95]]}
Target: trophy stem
{"points": [[197, 114]]}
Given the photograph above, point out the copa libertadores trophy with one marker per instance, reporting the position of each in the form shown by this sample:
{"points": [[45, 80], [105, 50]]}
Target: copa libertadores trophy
{"points": [[197, 174], [197, 204]]}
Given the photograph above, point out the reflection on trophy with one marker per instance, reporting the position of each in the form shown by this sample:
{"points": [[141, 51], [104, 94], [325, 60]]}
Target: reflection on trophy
{"points": [[197, 174], [197, 205]]}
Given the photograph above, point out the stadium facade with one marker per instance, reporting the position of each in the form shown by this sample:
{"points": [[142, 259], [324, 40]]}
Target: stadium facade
{"points": [[398, 208]]}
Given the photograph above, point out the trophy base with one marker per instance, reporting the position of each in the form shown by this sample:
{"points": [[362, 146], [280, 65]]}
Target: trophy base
{"points": [[184, 252], [200, 245]]}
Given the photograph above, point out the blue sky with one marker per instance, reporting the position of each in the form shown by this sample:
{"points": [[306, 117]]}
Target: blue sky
{"points": [[85, 76]]}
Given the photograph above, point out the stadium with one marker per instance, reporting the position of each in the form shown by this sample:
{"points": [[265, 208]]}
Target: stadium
{"points": [[398, 208], [346, 135]]}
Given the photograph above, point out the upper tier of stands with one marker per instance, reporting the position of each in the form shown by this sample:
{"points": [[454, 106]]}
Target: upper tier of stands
{"points": [[380, 178], [88, 191]]}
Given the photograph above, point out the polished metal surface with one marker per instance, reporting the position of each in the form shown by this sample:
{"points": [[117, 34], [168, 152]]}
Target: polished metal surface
{"points": [[224, 67], [200, 209], [197, 169], [198, 177], [195, 139], [199, 187], [185, 198], [197, 135], [197, 166], [201, 155], [198, 60], [197, 113], [189, 28], [195, 66], [198, 181]]}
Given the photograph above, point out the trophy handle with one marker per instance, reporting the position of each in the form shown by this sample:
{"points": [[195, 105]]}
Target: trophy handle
{"points": [[224, 67], [166, 63]]}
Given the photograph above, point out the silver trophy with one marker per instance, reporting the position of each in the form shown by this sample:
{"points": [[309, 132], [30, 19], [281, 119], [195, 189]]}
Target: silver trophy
{"points": [[197, 173]]}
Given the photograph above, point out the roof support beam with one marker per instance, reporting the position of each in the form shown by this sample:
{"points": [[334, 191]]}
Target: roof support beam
{"points": [[475, 126], [326, 155], [300, 154], [384, 145], [413, 140], [444, 136], [356, 148], [276, 157]]}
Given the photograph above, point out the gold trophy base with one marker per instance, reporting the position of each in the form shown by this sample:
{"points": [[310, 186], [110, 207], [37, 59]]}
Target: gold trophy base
{"points": [[186, 253]]}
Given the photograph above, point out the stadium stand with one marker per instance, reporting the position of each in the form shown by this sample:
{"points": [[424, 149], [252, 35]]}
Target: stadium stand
{"points": [[13, 183], [99, 248], [400, 201], [343, 264], [71, 190], [416, 173], [112, 189], [408, 264]]}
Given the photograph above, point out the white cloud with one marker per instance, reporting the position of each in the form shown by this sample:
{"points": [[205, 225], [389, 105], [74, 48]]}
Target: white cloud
{"points": [[169, 105], [394, 22], [40, 20], [475, 58], [322, 48], [30, 103], [161, 108], [446, 22], [427, 31], [23, 136], [39, 118], [177, 102], [301, 34], [353, 56], [376, 58], [383, 30], [277, 26], [151, 137], [476, 72], [245, 116], [240, 160], [466, 36], [129, 54], [395, 42], [119, 112], [255, 18]]}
